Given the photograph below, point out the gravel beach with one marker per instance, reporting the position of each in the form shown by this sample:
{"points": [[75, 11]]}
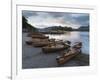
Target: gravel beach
{"points": [[34, 57]]}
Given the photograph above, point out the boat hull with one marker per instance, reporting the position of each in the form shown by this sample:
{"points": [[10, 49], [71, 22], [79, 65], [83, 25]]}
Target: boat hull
{"points": [[62, 60], [50, 50], [40, 37]]}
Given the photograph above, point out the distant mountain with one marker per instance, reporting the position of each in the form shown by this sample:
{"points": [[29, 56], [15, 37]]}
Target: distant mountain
{"points": [[48, 28], [84, 28], [52, 27], [63, 28]]}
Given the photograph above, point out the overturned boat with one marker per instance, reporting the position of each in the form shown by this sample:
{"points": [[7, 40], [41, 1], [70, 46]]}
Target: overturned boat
{"points": [[70, 53]]}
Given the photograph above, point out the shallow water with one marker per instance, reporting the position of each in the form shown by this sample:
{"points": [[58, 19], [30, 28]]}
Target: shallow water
{"points": [[74, 36]]}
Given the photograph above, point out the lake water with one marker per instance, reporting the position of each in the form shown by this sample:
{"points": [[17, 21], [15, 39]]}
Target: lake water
{"points": [[74, 36]]}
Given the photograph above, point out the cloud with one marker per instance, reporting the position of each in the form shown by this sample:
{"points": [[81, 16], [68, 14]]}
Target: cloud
{"points": [[83, 19], [28, 13], [47, 19]]}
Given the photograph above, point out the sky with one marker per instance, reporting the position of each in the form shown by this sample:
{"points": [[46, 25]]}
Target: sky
{"points": [[47, 19]]}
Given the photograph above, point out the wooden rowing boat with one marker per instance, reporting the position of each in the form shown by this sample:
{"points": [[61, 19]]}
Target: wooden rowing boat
{"points": [[69, 54], [40, 36], [40, 42], [35, 40], [53, 47], [34, 33]]}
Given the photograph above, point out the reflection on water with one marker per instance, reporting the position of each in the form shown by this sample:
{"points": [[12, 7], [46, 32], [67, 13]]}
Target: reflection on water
{"points": [[74, 37]]}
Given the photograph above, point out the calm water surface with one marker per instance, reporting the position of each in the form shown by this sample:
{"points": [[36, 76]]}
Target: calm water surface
{"points": [[74, 37]]}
